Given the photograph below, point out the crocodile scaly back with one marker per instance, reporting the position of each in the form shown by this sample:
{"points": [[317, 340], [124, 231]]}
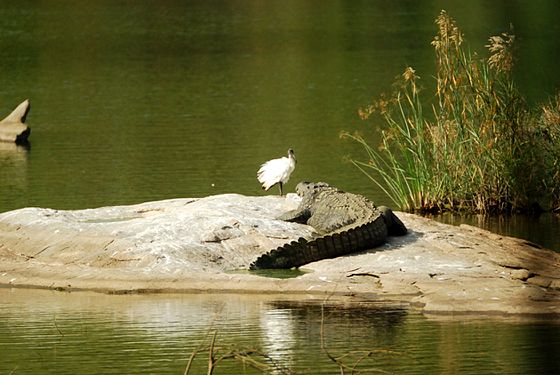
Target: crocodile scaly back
{"points": [[345, 223]]}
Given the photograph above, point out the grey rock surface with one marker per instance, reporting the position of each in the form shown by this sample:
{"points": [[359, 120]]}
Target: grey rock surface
{"points": [[214, 234], [201, 245]]}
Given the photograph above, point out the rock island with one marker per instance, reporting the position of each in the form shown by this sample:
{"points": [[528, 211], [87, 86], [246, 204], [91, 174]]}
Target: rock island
{"points": [[208, 244]]}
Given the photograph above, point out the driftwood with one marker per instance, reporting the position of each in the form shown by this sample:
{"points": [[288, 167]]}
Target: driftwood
{"points": [[13, 127]]}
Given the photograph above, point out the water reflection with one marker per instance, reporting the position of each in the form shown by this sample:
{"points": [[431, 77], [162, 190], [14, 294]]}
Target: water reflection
{"points": [[362, 334], [68, 333], [540, 229], [278, 335], [13, 171]]}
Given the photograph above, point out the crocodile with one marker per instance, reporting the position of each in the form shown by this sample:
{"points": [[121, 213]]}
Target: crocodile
{"points": [[344, 223]]}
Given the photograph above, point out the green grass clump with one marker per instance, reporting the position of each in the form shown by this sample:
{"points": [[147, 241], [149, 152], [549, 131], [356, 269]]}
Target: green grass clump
{"points": [[478, 148]]}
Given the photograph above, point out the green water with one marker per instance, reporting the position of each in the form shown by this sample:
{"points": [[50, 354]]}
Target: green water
{"points": [[145, 100], [45, 332]]}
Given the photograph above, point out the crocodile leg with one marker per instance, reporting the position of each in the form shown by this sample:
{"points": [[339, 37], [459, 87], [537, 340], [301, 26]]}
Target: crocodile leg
{"points": [[394, 224]]}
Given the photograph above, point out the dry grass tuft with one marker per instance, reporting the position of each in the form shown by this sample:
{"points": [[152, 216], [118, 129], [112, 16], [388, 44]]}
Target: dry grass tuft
{"points": [[479, 147]]}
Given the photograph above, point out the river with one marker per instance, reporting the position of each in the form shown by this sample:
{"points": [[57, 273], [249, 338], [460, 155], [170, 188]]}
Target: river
{"points": [[135, 101]]}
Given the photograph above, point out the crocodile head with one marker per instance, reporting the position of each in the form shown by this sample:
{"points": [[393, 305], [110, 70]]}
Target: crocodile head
{"points": [[306, 188]]}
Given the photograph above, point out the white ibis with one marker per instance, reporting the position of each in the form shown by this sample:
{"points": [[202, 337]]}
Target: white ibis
{"points": [[277, 171]]}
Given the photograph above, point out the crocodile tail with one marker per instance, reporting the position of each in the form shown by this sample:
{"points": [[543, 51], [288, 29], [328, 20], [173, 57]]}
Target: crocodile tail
{"points": [[286, 256], [303, 251]]}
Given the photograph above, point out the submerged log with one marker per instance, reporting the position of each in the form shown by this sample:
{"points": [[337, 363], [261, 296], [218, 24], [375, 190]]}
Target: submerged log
{"points": [[13, 127]]}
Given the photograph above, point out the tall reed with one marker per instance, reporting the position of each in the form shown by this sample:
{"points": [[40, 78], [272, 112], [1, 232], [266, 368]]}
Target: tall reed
{"points": [[477, 148]]}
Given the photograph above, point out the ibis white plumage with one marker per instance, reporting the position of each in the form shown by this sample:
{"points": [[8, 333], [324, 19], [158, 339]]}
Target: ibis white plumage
{"points": [[277, 171]]}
